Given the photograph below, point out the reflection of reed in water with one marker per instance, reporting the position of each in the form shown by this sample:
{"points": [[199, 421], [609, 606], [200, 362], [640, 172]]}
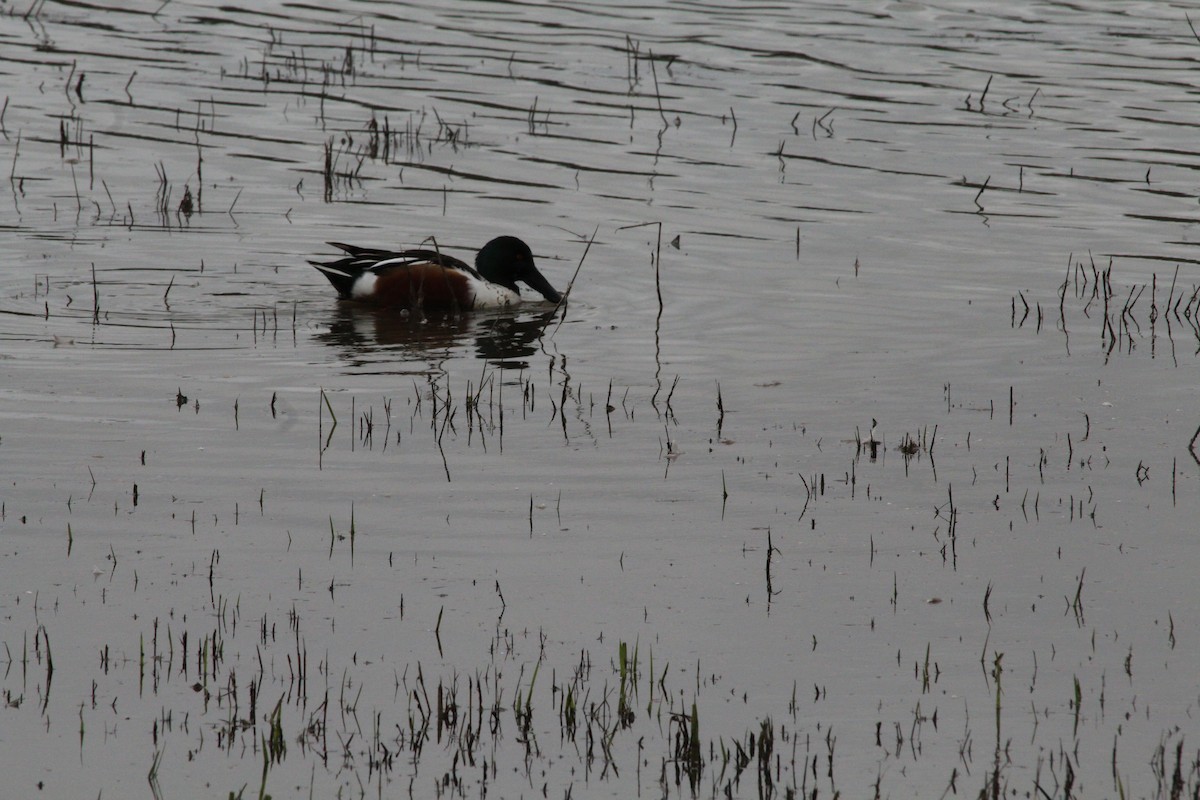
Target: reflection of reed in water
{"points": [[503, 337]]}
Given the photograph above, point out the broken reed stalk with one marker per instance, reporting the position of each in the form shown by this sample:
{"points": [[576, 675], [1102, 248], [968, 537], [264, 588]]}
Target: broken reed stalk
{"points": [[12, 173], [78, 199], [631, 60], [327, 171], [657, 259], [562, 301], [982, 188], [199, 176], [95, 297], [657, 94]]}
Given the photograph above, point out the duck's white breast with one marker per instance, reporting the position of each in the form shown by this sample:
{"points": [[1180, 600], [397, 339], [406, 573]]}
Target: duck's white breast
{"points": [[491, 295]]}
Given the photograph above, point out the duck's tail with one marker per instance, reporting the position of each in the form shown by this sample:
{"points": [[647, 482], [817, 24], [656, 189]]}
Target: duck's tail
{"points": [[341, 278], [345, 271]]}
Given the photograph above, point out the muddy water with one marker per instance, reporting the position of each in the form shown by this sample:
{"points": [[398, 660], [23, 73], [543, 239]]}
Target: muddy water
{"points": [[244, 525]]}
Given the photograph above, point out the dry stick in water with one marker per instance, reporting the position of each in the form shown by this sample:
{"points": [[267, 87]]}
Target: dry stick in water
{"points": [[985, 91], [78, 199], [819, 122], [95, 297], [562, 300], [658, 291], [980, 192], [67, 85], [657, 94], [631, 60], [16, 152], [657, 258]]}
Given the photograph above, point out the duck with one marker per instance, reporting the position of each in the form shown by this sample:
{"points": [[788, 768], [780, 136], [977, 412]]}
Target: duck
{"points": [[432, 281]]}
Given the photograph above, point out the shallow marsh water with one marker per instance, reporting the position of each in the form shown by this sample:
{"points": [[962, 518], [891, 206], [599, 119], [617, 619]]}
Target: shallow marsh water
{"points": [[201, 573]]}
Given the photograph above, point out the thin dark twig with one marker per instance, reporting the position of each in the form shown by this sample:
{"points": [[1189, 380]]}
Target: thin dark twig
{"points": [[985, 91], [657, 257], [563, 300], [95, 297], [657, 94], [981, 190]]}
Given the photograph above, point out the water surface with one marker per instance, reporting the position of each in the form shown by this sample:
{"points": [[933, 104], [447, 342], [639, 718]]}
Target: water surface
{"points": [[244, 524]]}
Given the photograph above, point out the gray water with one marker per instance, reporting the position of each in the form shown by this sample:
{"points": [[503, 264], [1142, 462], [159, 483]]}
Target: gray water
{"points": [[244, 526]]}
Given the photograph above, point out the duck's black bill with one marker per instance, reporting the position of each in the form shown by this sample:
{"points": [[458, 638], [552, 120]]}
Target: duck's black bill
{"points": [[538, 283]]}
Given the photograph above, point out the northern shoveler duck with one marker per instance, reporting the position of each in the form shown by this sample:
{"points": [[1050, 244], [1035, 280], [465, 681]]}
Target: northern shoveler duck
{"points": [[433, 281]]}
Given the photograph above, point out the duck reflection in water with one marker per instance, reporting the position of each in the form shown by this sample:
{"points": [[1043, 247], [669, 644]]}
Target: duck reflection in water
{"points": [[505, 337]]}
